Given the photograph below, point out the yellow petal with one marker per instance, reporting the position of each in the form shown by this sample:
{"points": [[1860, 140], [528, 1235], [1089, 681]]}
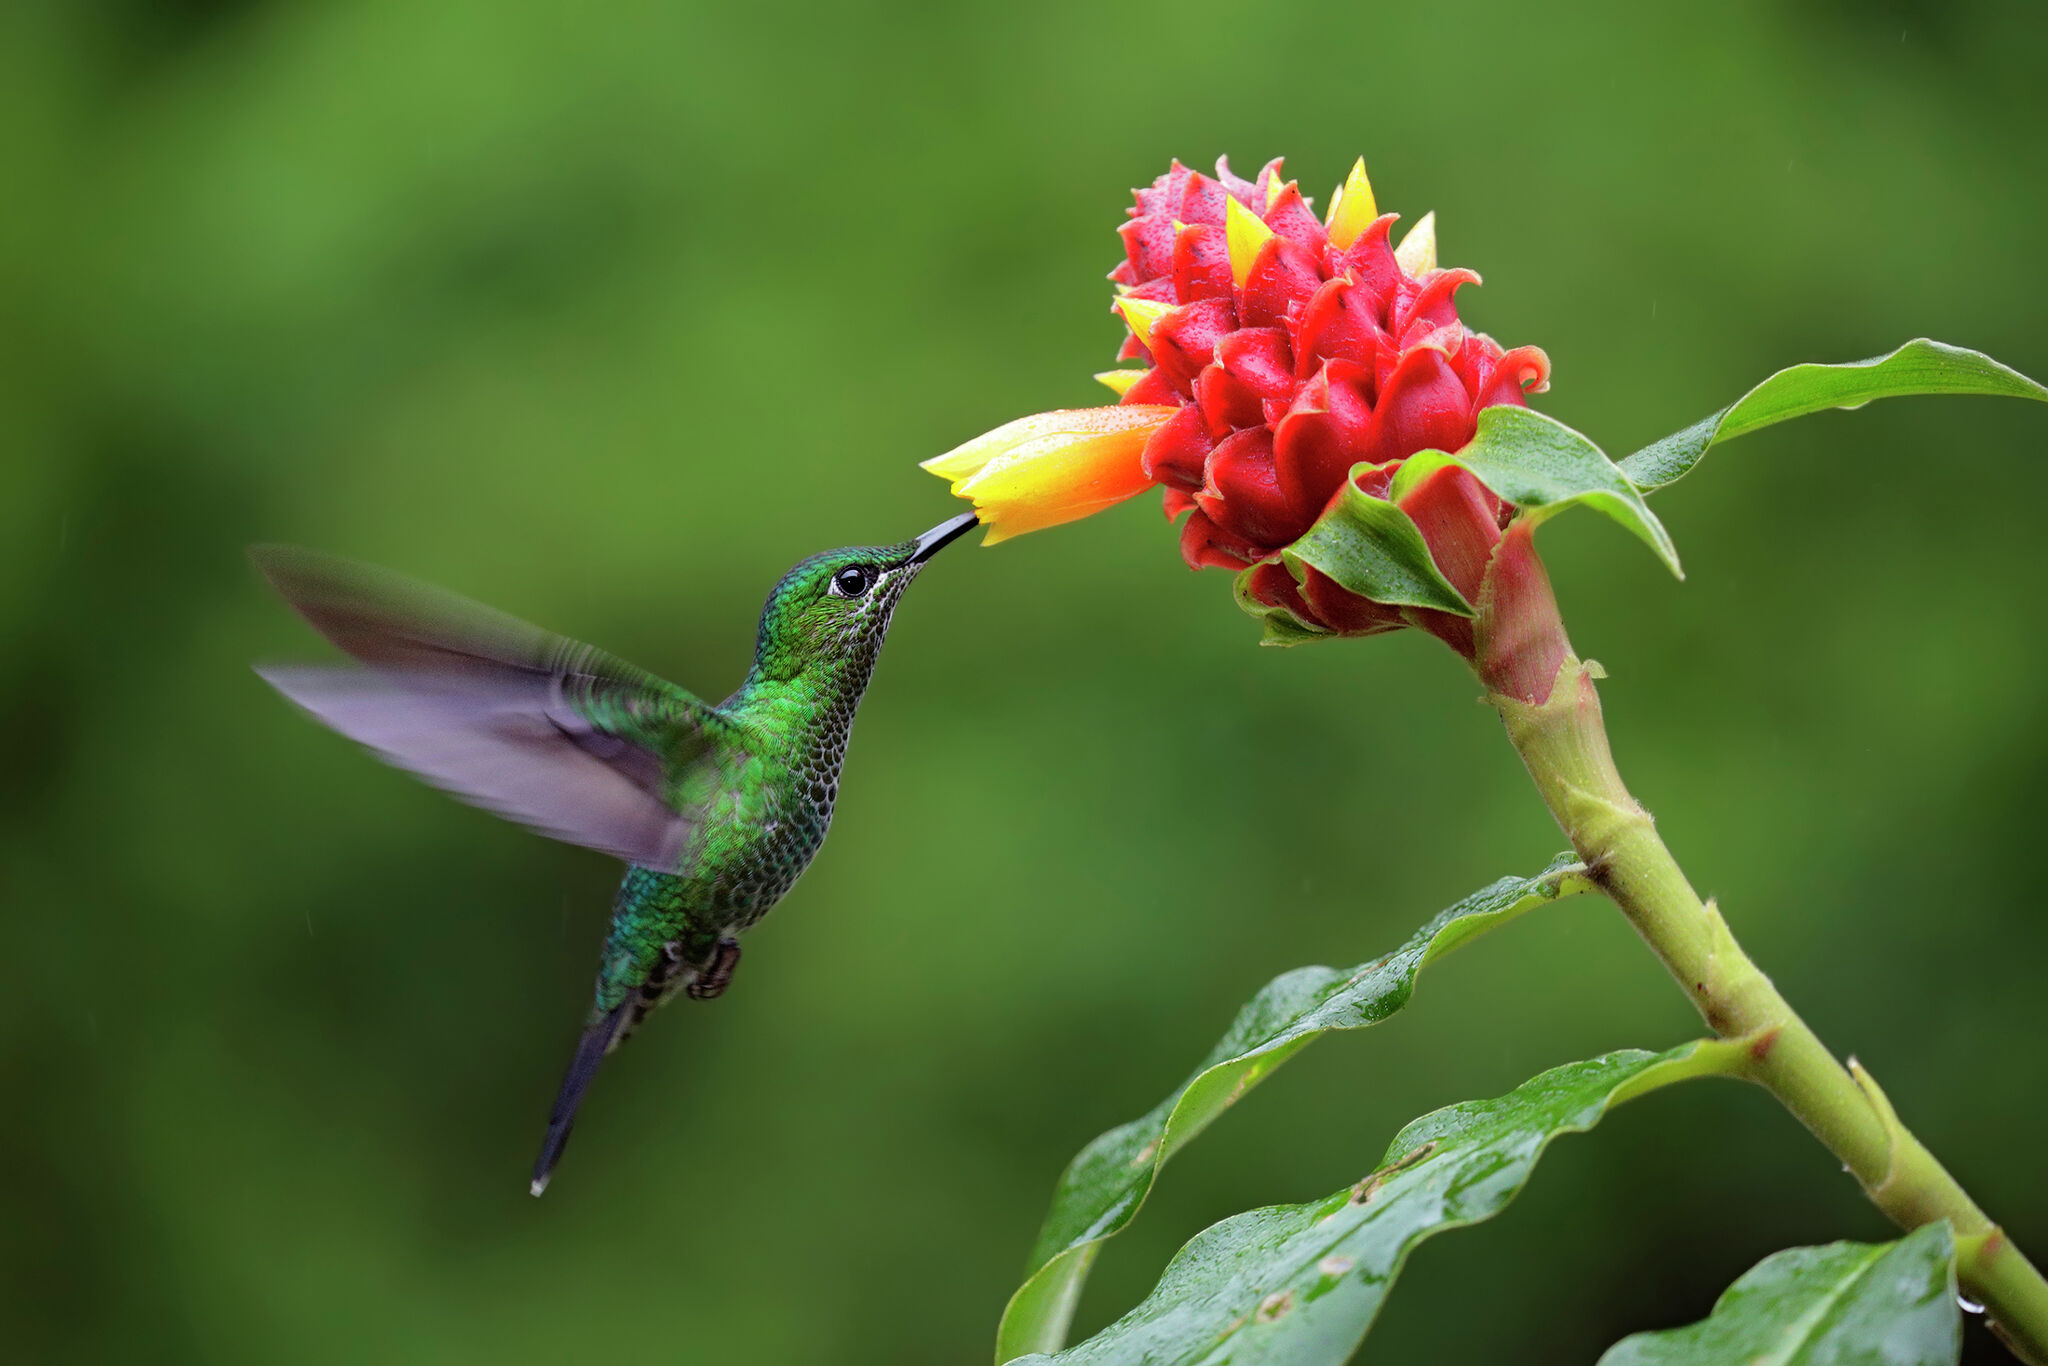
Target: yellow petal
{"points": [[1352, 208], [1053, 467], [1274, 189], [1120, 381], [968, 458], [1141, 314], [1417, 252], [1245, 233]]}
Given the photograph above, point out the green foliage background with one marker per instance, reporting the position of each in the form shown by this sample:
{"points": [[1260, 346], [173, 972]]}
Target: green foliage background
{"points": [[604, 314]]}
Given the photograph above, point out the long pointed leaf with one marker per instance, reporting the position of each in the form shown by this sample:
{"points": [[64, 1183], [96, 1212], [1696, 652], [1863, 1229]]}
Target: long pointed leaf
{"points": [[1103, 1188], [1845, 1304], [1920, 366], [1299, 1285]]}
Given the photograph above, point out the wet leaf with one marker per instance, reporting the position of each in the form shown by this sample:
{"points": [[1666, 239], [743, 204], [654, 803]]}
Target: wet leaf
{"points": [[1282, 627], [1299, 1285], [1544, 467], [1372, 548], [1103, 1188], [1845, 1304], [1919, 367]]}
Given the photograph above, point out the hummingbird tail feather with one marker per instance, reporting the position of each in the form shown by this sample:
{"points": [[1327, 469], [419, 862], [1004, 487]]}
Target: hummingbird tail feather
{"points": [[597, 1041]]}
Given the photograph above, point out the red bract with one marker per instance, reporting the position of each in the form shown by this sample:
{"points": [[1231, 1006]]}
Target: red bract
{"points": [[1296, 351]]}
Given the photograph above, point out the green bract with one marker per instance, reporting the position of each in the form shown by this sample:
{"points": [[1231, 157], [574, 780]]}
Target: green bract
{"points": [[1543, 467], [1372, 548], [1103, 1187], [1282, 626]]}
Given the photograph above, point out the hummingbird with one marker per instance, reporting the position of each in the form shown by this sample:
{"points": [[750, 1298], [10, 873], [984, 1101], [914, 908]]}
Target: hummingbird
{"points": [[716, 810]]}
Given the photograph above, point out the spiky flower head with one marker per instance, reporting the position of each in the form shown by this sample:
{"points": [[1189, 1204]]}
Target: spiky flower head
{"points": [[1285, 355]]}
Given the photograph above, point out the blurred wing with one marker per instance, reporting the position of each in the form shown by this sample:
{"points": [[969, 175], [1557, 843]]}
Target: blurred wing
{"points": [[548, 732]]}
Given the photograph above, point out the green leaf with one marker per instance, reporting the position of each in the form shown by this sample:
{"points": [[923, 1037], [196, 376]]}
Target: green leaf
{"points": [[1543, 467], [1919, 367], [1282, 627], [1885, 1304], [1373, 549], [1103, 1188], [1299, 1285]]}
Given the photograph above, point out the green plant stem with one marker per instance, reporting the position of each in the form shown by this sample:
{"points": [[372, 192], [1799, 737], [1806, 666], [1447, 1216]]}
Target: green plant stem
{"points": [[1564, 743]]}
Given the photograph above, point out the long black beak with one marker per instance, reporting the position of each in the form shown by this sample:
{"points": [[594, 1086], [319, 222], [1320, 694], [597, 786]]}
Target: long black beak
{"points": [[943, 535]]}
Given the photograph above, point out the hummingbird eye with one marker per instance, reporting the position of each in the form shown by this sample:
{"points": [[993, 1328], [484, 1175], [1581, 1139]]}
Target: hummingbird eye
{"points": [[852, 581]]}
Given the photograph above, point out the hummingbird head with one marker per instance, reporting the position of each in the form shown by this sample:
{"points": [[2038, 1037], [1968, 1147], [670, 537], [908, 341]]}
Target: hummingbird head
{"points": [[832, 610]]}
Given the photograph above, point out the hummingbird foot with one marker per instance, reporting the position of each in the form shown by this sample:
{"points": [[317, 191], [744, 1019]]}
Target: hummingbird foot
{"points": [[715, 974]]}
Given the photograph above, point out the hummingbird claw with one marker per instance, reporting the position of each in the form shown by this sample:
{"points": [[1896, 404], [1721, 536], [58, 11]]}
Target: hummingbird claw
{"points": [[716, 974]]}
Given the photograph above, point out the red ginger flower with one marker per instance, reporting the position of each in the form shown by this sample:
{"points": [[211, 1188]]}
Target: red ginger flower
{"points": [[1284, 352]]}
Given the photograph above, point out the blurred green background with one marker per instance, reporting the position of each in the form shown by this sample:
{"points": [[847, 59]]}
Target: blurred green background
{"points": [[605, 314]]}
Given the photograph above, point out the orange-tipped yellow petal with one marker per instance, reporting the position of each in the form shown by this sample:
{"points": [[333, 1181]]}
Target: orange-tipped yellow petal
{"points": [[1352, 208], [1141, 314], [1053, 467], [1417, 252], [1245, 232], [1274, 189], [1120, 381]]}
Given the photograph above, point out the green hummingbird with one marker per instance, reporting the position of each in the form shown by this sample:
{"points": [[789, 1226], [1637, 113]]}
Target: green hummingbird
{"points": [[716, 810]]}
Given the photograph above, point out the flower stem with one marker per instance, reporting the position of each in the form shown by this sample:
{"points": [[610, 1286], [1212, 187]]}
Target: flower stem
{"points": [[1564, 743]]}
